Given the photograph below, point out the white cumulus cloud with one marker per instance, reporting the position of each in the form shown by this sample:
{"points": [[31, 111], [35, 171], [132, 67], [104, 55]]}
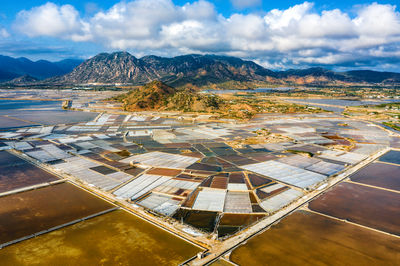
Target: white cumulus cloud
{"points": [[295, 36], [52, 20]]}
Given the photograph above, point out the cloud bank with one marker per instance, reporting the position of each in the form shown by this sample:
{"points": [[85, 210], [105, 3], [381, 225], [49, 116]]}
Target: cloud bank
{"points": [[292, 37]]}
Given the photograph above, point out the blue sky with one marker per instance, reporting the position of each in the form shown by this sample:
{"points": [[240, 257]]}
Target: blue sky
{"points": [[277, 34]]}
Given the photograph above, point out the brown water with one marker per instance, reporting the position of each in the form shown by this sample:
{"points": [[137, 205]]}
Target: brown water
{"points": [[221, 262], [305, 238], [231, 223], [116, 238], [23, 175], [380, 175], [203, 220], [32, 211], [8, 159], [367, 206]]}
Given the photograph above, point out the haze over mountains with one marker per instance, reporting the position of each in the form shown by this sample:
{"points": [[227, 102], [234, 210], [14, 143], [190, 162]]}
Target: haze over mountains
{"points": [[11, 68], [124, 68]]}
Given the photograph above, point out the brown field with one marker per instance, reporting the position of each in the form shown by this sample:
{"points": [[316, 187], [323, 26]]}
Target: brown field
{"points": [[367, 206], [257, 180], [219, 182], [237, 178], [116, 238], [29, 212], [305, 238], [239, 219], [16, 173], [164, 171], [380, 175]]}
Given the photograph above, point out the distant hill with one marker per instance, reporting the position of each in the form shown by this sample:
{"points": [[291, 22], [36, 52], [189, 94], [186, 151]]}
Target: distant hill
{"points": [[157, 95], [23, 80], [318, 75], [374, 76], [11, 68], [122, 67]]}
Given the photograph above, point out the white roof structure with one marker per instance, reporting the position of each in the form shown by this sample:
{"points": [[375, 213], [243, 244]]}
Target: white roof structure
{"points": [[298, 160], [341, 156], [160, 203], [325, 168], [279, 201], [210, 200], [173, 185], [286, 173], [237, 202], [161, 159], [19, 145], [140, 186], [237, 186], [269, 189], [79, 168]]}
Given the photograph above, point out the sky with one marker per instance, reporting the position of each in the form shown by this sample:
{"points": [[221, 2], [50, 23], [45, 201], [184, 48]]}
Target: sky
{"points": [[339, 35]]}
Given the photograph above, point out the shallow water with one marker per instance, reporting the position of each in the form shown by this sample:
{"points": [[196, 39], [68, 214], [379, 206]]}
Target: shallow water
{"points": [[23, 175], [380, 175], [38, 112], [116, 238], [372, 207], [305, 238], [339, 102], [25, 213], [257, 90], [391, 157], [28, 104]]}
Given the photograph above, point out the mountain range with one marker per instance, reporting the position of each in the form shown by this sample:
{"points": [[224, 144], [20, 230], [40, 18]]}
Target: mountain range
{"points": [[11, 68], [198, 70]]}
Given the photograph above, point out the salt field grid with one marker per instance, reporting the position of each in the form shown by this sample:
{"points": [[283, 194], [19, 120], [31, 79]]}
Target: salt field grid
{"points": [[174, 167], [81, 168]]}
